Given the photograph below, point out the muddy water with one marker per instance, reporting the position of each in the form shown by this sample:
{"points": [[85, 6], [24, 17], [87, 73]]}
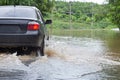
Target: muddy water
{"points": [[84, 55]]}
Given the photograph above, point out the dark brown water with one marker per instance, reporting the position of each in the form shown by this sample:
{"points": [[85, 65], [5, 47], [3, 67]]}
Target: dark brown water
{"points": [[70, 55]]}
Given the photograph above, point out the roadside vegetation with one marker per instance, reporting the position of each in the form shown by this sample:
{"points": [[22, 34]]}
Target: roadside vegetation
{"points": [[45, 6], [75, 15], [84, 15], [115, 12]]}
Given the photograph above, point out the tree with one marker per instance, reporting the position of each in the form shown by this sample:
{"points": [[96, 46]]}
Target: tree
{"points": [[43, 5], [115, 11]]}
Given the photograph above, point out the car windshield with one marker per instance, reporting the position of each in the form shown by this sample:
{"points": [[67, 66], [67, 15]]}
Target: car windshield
{"points": [[22, 12]]}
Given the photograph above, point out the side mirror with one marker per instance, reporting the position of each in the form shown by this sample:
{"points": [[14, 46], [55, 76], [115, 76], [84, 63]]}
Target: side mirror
{"points": [[48, 22]]}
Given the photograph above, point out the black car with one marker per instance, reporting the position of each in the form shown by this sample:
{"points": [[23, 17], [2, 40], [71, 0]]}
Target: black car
{"points": [[22, 29]]}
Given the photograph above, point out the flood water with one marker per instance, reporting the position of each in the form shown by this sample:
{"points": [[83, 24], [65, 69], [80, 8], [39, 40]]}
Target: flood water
{"points": [[70, 55]]}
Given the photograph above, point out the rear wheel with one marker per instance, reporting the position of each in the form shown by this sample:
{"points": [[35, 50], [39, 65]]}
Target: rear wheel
{"points": [[40, 50]]}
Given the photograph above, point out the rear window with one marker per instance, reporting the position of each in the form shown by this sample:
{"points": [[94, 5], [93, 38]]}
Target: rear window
{"points": [[17, 12]]}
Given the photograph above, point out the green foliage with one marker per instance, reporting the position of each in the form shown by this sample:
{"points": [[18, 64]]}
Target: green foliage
{"points": [[44, 5], [85, 15], [115, 11]]}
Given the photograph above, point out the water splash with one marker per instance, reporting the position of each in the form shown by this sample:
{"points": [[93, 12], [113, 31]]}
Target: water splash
{"points": [[65, 59]]}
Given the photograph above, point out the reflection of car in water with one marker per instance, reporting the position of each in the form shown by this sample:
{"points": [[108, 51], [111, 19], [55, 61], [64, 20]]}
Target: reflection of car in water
{"points": [[22, 29]]}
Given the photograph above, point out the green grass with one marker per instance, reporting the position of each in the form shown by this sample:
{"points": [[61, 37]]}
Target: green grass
{"points": [[59, 24]]}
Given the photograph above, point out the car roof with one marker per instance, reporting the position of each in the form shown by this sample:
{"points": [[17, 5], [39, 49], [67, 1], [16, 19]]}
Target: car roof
{"points": [[19, 6]]}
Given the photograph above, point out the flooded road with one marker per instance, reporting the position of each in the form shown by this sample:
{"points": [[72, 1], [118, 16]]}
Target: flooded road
{"points": [[85, 55]]}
